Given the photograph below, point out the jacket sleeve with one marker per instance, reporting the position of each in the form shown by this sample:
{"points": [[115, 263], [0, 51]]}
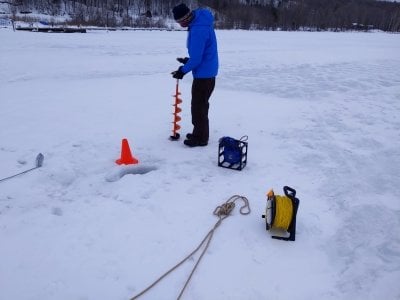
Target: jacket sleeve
{"points": [[196, 45]]}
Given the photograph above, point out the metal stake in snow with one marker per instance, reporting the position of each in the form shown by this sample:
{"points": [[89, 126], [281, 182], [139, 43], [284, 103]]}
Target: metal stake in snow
{"points": [[39, 163]]}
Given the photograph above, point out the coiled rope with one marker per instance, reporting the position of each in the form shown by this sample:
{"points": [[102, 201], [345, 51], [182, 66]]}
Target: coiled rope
{"points": [[222, 212], [284, 212]]}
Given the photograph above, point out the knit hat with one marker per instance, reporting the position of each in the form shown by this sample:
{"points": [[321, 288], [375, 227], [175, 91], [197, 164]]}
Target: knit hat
{"points": [[180, 12]]}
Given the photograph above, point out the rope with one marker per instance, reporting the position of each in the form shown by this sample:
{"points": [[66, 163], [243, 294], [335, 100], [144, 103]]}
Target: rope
{"points": [[222, 212], [4, 179], [284, 212], [244, 138], [39, 163]]}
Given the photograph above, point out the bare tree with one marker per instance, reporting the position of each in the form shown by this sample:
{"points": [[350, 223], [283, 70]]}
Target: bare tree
{"points": [[333, 15]]}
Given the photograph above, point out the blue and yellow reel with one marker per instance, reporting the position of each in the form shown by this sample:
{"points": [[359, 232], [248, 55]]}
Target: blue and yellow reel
{"points": [[280, 214]]}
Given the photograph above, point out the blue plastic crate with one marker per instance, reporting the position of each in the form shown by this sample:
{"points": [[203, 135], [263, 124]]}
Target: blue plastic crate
{"points": [[232, 153]]}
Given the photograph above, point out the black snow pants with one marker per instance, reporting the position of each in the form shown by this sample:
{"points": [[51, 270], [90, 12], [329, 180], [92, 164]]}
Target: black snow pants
{"points": [[202, 89]]}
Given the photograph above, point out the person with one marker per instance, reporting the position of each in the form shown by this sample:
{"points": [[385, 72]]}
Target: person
{"points": [[203, 63]]}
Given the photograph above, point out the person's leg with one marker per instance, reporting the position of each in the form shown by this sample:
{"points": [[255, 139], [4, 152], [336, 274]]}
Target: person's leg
{"points": [[201, 93]]}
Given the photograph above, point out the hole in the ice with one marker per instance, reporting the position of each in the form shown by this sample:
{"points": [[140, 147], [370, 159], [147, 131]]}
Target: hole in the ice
{"points": [[132, 170], [136, 170]]}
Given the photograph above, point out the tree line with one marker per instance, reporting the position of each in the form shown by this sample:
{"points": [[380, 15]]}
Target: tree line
{"points": [[336, 15]]}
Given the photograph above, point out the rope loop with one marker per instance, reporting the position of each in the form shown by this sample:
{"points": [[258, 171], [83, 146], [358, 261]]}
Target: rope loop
{"points": [[222, 212], [244, 138], [224, 209]]}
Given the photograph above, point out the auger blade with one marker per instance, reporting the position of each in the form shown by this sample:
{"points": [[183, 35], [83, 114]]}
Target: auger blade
{"points": [[175, 136], [176, 127]]}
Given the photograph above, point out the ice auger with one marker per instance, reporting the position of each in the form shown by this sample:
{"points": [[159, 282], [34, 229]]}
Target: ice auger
{"points": [[175, 134]]}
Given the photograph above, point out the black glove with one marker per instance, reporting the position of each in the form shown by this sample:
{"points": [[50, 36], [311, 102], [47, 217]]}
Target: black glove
{"points": [[183, 60], [178, 74]]}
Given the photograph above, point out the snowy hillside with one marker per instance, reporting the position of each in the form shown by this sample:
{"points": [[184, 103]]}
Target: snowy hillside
{"points": [[322, 113]]}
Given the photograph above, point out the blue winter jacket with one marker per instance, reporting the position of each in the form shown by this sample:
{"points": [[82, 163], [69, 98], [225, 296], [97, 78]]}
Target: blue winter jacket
{"points": [[202, 46]]}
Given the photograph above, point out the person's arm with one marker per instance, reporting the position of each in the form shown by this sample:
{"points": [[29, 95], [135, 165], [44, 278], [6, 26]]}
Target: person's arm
{"points": [[196, 46]]}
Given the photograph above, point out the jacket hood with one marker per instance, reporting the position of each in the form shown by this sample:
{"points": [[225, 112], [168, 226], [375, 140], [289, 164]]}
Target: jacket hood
{"points": [[202, 17]]}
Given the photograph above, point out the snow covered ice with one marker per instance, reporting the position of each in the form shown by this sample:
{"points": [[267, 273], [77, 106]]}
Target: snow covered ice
{"points": [[322, 113]]}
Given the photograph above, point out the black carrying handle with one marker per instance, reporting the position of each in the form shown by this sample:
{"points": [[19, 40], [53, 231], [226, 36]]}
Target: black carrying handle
{"points": [[289, 192]]}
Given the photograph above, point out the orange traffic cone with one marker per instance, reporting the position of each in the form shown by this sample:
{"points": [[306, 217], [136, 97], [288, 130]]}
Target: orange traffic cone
{"points": [[126, 155]]}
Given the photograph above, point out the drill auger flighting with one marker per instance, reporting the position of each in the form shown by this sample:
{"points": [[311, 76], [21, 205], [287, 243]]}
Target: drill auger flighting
{"points": [[175, 134]]}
